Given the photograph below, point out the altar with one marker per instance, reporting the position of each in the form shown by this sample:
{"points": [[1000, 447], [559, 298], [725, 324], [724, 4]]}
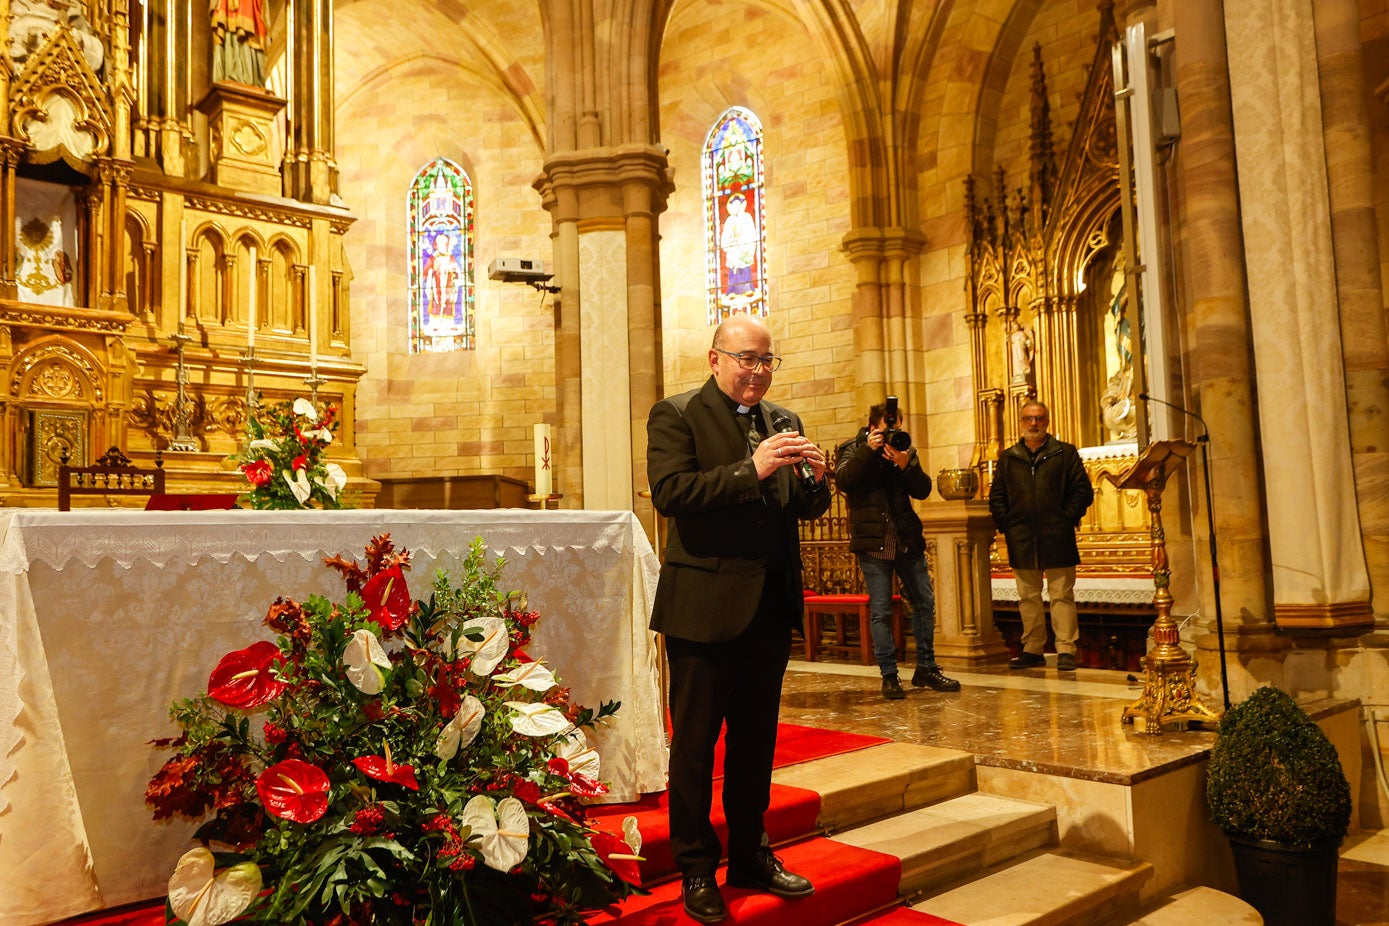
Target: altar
{"points": [[106, 617]]}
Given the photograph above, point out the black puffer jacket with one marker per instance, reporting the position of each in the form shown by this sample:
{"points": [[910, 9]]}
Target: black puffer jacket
{"points": [[877, 490], [1038, 505]]}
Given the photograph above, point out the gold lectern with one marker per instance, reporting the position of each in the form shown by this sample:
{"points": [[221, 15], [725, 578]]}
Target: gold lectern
{"points": [[1169, 692]]}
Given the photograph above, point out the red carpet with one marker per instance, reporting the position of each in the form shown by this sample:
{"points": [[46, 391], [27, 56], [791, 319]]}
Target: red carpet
{"points": [[796, 744]]}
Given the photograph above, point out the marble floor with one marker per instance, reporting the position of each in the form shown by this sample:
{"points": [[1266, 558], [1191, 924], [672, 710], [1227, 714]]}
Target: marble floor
{"points": [[1044, 721]]}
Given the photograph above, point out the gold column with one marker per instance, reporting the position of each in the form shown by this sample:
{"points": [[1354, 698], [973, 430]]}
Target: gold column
{"points": [[162, 89], [109, 226], [10, 151], [1213, 286], [1350, 171], [310, 171]]}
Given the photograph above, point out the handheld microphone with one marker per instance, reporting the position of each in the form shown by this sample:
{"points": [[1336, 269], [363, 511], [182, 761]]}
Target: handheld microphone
{"points": [[781, 424], [1205, 429]]}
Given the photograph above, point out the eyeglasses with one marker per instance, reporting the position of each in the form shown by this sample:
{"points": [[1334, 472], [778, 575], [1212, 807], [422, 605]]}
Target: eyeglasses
{"points": [[751, 361], [1033, 419]]}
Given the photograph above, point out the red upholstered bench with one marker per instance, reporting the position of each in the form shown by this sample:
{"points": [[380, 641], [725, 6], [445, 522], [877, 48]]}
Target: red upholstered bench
{"points": [[838, 607]]}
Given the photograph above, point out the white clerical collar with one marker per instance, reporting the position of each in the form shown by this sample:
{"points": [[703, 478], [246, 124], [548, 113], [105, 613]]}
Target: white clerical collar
{"points": [[743, 409]]}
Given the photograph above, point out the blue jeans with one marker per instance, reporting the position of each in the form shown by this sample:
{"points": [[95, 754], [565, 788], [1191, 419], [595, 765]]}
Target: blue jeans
{"points": [[916, 585]]}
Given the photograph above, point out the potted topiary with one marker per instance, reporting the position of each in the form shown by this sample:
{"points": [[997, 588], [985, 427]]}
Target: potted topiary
{"points": [[1274, 784]]}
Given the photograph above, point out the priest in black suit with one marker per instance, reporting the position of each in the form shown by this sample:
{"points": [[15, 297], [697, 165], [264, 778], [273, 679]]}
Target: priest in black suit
{"points": [[734, 474]]}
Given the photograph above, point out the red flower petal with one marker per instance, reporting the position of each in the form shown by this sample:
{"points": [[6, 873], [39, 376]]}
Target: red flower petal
{"points": [[377, 767], [257, 472], [388, 598], [294, 790], [607, 845], [245, 679]]}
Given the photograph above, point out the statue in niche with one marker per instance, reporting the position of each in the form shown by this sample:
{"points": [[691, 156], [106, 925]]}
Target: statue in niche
{"points": [[1117, 407], [1021, 350], [33, 21], [239, 37]]}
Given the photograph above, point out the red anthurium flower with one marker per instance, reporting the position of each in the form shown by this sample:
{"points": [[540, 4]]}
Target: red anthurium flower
{"points": [[294, 790], [245, 678], [301, 461], [522, 656], [383, 769], [580, 784], [257, 472], [388, 598], [447, 696], [618, 856]]}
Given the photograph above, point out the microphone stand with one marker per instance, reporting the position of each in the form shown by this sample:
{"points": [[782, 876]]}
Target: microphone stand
{"points": [[1204, 440]]}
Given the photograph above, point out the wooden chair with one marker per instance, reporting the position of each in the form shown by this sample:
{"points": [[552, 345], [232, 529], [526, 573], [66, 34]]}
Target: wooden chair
{"points": [[840, 606], [112, 474]]}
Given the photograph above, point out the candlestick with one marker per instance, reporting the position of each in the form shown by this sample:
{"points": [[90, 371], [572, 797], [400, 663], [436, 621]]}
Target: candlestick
{"points": [[182, 308], [183, 440], [544, 463], [312, 321], [251, 312], [248, 360]]}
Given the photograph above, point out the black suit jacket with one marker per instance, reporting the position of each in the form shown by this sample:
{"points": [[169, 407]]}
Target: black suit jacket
{"points": [[699, 463]]}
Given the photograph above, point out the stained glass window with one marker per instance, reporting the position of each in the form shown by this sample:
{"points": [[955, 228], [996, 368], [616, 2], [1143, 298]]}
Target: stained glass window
{"points": [[733, 229], [441, 258]]}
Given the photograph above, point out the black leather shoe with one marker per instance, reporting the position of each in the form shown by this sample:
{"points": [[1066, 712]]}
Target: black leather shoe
{"points": [[892, 689], [703, 902], [1027, 661], [1066, 662], [932, 677], [766, 873]]}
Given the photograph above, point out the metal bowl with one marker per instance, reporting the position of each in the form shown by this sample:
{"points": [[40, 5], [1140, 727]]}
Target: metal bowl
{"points": [[957, 484]]}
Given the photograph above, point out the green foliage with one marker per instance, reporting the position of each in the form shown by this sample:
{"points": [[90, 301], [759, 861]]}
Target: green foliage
{"points": [[1274, 775]]}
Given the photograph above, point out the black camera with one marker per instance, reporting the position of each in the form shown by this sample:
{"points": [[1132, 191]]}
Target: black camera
{"points": [[896, 439]]}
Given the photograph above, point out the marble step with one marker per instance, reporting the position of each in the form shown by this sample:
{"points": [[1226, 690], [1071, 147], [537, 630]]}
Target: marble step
{"points": [[870, 784], [947, 841], [1044, 888], [1203, 905]]}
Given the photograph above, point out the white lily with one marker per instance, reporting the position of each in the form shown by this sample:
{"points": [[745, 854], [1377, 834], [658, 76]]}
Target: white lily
{"points": [[299, 485], [305, 408], [504, 832], [491, 649], [532, 675], [460, 732], [200, 898], [536, 719], [262, 444], [362, 655], [573, 748]]}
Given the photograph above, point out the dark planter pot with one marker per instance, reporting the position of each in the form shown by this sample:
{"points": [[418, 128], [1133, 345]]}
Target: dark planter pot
{"points": [[1288, 886]]}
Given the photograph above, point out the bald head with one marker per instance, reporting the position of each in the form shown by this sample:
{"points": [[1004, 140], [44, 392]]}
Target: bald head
{"points": [[736, 327]]}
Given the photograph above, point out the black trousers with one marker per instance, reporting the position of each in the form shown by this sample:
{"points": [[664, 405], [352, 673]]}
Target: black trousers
{"points": [[737, 684]]}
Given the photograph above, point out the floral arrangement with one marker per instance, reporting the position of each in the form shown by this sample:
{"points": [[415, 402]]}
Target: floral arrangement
{"points": [[391, 762], [283, 459]]}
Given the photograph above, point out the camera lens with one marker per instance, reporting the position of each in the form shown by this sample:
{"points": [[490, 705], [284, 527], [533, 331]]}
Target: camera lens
{"points": [[899, 440]]}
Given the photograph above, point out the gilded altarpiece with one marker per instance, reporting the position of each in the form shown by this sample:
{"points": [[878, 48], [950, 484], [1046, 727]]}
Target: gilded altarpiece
{"points": [[1048, 314], [128, 271]]}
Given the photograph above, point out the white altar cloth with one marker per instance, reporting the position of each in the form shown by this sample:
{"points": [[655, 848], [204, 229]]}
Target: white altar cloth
{"points": [[107, 616]]}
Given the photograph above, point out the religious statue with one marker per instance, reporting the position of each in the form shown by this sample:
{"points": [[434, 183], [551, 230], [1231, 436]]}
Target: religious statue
{"points": [[1021, 350], [33, 21], [239, 34]]}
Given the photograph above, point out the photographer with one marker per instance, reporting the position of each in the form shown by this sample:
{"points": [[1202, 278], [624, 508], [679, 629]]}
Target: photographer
{"points": [[880, 474]]}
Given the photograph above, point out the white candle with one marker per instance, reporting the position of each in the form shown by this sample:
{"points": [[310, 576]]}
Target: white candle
{"points": [[182, 308], [311, 310], [251, 312], [544, 462]]}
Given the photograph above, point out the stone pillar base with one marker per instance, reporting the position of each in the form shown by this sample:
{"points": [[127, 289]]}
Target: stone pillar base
{"points": [[958, 537], [240, 119]]}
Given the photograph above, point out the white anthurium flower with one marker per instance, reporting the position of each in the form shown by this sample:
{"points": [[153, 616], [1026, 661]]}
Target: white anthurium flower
{"points": [[322, 434], [460, 732], [573, 748], [532, 675], [299, 485], [335, 480], [200, 898], [631, 832], [362, 656], [262, 444], [305, 408], [491, 649], [505, 832], [536, 718]]}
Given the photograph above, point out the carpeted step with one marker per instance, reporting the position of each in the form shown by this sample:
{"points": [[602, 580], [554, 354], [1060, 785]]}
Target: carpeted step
{"points": [[944, 842], [879, 781], [1204, 905], [901, 916], [847, 880], [1051, 888]]}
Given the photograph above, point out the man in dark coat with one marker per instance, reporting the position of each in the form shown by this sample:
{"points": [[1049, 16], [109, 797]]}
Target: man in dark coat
{"points": [[734, 475], [1039, 494], [879, 482]]}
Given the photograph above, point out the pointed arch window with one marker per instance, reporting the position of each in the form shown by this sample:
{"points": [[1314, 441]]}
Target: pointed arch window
{"points": [[734, 230], [441, 258]]}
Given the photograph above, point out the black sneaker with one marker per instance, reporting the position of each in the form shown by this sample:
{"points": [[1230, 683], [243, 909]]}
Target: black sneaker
{"points": [[892, 689], [932, 677], [1065, 662], [1027, 661]]}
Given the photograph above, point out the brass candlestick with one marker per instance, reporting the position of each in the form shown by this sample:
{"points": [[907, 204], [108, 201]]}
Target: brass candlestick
{"points": [[182, 441], [248, 360]]}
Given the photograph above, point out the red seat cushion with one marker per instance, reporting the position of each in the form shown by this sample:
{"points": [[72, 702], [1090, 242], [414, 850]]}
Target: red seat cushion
{"points": [[836, 599]]}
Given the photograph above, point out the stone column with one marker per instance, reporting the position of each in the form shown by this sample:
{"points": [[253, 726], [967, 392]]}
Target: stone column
{"points": [[1350, 170], [1318, 559], [310, 171], [958, 536]]}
